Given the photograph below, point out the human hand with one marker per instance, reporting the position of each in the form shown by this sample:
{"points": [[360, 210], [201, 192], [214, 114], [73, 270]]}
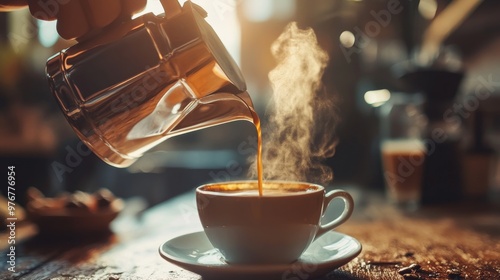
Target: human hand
{"points": [[78, 19]]}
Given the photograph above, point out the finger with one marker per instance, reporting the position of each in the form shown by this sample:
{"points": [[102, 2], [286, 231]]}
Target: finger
{"points": [[13, 2], [101, 13], [130, 7], [9, 5], [71, 20], [43, 9]]}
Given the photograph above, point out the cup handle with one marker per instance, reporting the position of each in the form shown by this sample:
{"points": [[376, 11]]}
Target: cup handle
{"points": [[346, 214]]}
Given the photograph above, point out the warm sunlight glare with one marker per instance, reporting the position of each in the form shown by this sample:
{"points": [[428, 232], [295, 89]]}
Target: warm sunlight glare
{"points": [[377, 97], [221, 16]]}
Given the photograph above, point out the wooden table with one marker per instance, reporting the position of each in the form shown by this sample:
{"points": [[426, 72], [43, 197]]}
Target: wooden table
{"points": [[458, 241]]}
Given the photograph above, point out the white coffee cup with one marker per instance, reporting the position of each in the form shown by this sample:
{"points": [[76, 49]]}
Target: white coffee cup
{"points": [[274, 228]]}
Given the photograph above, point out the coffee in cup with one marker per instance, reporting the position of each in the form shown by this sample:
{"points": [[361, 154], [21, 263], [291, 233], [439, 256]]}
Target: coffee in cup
{"points": [[275, 227]]}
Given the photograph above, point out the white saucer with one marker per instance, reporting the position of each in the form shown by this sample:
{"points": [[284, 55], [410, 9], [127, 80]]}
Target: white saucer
{"points": [[195, 253]]}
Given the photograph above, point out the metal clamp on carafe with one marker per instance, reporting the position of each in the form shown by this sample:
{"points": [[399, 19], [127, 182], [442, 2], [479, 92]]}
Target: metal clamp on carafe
{"points": [[146, 80]]}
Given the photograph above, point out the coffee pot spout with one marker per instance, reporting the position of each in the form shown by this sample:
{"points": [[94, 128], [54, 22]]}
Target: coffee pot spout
{"points": [[216, 109]]}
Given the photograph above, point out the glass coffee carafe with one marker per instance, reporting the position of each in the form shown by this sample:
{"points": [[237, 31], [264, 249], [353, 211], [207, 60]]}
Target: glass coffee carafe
{"points": [[146, 80]]}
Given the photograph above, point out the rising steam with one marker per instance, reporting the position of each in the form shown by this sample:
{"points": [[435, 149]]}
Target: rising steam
{"points": [[302, 118]]}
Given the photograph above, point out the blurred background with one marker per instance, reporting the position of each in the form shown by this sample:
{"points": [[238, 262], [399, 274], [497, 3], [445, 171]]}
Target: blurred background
{"points": [[442, 55]]}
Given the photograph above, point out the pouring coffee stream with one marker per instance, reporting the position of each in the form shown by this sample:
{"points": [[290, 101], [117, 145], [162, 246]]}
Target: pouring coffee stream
{"points": [[260, 171], [146, 80]]}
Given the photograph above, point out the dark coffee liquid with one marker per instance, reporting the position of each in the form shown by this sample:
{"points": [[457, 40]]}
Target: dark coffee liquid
{"points": [[272, 188], [256, 122]]}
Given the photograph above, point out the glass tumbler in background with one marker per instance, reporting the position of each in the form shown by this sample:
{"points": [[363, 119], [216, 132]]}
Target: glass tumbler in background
{"points": [[402, 148]]}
